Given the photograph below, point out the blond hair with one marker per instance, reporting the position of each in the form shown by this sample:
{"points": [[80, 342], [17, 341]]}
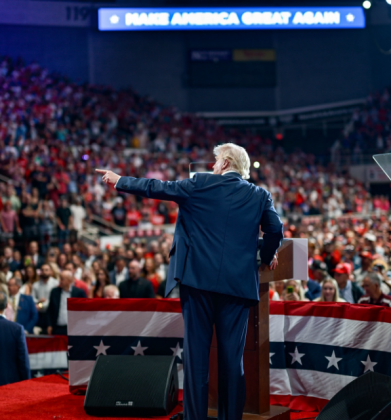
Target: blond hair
{"points": [[335, 285], [237, 156]]}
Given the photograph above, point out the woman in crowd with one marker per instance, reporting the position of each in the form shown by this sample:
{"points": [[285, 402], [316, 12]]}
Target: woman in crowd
{"points": [[62, 260], [279, 287], [102, 280], [293, 291], [79, 266], [149, 272], [47, 220], [55, 270], [30, 277], [329, 292]]}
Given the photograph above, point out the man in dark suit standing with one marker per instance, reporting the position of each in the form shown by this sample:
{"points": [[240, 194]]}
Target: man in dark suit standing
{"points": [[135, 286], [214, 257], [57, 309], [14, 359], [25, 311]]}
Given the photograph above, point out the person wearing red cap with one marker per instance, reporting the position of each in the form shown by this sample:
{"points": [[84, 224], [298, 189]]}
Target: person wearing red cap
{"points": [[373, 293], [348, 290], [366, 261]]}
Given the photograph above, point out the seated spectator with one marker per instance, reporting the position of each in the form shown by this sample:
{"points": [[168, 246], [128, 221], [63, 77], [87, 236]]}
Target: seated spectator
{"points": [[373, 293], [70, 266], [366, 262], [79, 266], [379, 266], [57, 309], [149, 273], [9, 259], [293, 291], [4, 268], [111, 292], [161, 267], [330, 292], [37, 259], [273, 295], [14, 359], [41, 293], [102, 280], [135, 286], [279, 287], [62, 259], [120, 272], [312, 289], [348, 290], [90, 257], [29, 278], [24, 310], [319, 271]]}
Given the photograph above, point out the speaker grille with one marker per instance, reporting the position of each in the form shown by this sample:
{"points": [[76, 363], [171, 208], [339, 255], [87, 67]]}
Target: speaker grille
{"points": [[362, 399], [132, 385]]}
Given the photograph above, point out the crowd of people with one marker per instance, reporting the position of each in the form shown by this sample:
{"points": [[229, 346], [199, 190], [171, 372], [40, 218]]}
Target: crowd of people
{"points": [[348, 262], [368, 131], [54, 133]]}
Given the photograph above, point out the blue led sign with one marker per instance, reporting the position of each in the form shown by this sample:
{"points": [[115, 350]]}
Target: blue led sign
{"points": [[130, 19]]}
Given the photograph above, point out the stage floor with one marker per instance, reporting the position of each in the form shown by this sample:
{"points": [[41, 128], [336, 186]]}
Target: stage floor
{"points": [[48, 398]]}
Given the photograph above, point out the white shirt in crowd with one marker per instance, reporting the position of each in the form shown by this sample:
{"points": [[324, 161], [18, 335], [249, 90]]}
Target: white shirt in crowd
{"points": [[78, 214], [14, 301], [41, 290], [120, 277], [63, 312]]}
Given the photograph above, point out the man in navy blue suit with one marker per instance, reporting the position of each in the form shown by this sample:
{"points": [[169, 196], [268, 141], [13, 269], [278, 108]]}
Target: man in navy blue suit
{"points": [[25, 311], [214, 257], [14, 359]]}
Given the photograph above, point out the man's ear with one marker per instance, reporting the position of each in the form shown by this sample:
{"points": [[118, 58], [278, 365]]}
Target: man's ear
{"points": [[225, 164]]}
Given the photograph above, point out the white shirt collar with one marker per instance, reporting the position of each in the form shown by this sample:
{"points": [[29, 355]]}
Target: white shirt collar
{"points": [[229, 172], [3, 315]]}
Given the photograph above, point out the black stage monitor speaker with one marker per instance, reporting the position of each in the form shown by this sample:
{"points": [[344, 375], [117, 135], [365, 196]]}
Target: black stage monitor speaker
{"points": [[366, 398], [132, 386]]}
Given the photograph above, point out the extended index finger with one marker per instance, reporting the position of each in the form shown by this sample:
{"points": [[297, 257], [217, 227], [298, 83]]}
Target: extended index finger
{"points": [[101, 171]]}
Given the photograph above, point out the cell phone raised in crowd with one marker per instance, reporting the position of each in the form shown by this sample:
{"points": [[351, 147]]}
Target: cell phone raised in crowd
{"points": [[289, 289]]}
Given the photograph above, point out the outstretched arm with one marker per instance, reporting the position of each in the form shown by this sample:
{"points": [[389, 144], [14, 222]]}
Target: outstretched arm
{"points": [[177, 191]]}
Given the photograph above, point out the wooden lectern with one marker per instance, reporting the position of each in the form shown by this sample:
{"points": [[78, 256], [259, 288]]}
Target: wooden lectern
{"points": [[292, 264]]}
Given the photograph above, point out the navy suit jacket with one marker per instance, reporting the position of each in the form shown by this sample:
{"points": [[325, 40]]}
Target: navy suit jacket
{"points": [[216, 235], [14, 359], [27, 314], [314, 290], [55, 301]]}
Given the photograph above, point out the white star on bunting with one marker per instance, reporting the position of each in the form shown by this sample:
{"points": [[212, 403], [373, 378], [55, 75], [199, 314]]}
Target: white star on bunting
{"points": [[368, 364], [138, 349], [101, 349], [270, 357], [333, 361], [177, 351], [296, 356]]}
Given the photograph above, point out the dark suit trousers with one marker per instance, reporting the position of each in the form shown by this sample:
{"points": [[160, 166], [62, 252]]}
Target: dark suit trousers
{"points": [[202, 309]]}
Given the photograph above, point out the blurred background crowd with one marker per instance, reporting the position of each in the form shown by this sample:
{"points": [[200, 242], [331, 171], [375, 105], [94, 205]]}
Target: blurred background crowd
{"points": [[54, 133]]}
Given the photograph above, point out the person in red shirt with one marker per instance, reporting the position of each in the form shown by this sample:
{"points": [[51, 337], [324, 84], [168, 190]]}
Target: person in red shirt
{"points": [[151, 274], [373, 293]]}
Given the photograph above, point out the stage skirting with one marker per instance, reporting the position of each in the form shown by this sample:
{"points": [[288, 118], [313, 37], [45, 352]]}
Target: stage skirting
{"points": [[316, 349]]}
